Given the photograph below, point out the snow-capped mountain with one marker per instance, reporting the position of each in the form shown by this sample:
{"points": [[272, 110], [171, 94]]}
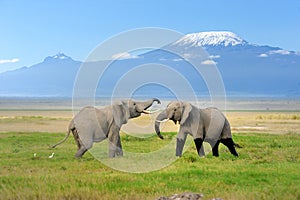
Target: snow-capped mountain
{"points": [[245, 67], [212, 38], [52, 77], [59, 56]]}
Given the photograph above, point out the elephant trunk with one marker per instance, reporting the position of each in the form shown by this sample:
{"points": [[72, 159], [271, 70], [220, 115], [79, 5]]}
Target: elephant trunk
{"points": [[157, 100], [160, 118], [143, 106]]}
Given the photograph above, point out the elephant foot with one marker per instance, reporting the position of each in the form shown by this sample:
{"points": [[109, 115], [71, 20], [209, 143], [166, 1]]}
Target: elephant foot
{"points": [[215, 149], [115, 154], [230, 145], [80, 152], [111, 154], [233, 152], [119, 152]]}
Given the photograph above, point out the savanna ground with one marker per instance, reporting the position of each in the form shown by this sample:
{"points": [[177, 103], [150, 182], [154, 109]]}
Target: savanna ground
{"points": [[268, 166]]}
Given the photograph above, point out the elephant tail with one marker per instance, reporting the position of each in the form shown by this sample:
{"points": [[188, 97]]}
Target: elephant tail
{"points": [[71, 128], [237, 145]]}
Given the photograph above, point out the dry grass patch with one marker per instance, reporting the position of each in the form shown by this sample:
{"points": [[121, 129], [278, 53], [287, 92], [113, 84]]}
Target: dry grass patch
{"points": [[264, 122]]}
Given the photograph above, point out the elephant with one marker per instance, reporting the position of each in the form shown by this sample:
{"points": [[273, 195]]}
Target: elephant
{"points": [[209, 125], [91, 124]]}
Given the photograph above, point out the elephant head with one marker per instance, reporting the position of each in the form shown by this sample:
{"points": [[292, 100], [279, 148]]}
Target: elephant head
{"points": [[137, 108], [125, 110], [176, 111]]}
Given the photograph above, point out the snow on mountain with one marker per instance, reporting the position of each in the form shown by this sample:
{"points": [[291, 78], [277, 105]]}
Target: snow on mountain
{"points": [[211, 38], [222, 43], [59, 56]]}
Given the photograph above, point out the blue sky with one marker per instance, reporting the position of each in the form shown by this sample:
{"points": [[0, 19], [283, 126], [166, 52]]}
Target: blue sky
{"points": [[32, 30]]}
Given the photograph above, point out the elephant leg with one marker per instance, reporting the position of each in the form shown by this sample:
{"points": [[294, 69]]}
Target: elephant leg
{"points": [[111, 148], [76, 138], [119, 151], [215, 149], [181, 137], [115, 146], [115, 149], [214, 145], [83, 147], [200, 150], [80, 152], [230, 145], [179, 146]]}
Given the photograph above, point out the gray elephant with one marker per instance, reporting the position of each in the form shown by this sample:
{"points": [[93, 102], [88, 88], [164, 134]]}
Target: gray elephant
{"points": [[94, 125], [209, 125]]}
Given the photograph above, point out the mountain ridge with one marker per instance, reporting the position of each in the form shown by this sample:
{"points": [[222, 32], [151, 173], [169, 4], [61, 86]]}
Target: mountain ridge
{"points": [[246, 69]]}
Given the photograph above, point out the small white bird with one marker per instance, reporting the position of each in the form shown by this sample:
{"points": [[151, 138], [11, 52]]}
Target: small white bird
{"points": [[51, 156], [34, 155]]}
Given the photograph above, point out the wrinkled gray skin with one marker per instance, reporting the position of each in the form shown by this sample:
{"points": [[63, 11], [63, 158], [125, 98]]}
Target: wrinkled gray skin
{"points": [[208, 125], [94, 125]]}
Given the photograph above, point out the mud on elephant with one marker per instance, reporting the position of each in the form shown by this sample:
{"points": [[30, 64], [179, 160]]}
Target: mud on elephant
{"points": [[209, 125], [95, 125]]}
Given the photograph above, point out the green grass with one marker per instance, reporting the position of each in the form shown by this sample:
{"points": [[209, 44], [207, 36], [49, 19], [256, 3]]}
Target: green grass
{"points": [[268, 168]]}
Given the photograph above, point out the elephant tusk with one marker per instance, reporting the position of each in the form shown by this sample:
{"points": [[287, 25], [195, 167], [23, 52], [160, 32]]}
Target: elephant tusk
{"points": [[149, 112], [161, 121]]}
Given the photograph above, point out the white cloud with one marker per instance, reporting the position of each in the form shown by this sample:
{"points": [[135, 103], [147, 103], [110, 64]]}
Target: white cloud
{"points": [[187, 55], [177, 59], [14, 60], [282, 52], [123, 55], [162, 59], [208, 62], [263, 55], [214, 56]]}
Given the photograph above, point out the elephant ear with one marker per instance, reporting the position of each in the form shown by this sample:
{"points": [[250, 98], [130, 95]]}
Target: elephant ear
{"points": [[190, 118], [120, 113], [187, 108]]}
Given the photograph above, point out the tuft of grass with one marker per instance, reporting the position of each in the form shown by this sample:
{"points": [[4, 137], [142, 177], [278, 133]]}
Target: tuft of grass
{"points": [[267, 168]]}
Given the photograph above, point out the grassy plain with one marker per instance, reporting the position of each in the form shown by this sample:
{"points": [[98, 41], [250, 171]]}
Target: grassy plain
{"points": [[268, 166]]}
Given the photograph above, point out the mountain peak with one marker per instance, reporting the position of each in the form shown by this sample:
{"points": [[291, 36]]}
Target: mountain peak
{"points": [[58, 56], [211, 38]]}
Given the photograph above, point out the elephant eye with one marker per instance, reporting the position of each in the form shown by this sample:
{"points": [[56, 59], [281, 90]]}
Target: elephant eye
{"points": [[134, 104], [175, 109]]}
